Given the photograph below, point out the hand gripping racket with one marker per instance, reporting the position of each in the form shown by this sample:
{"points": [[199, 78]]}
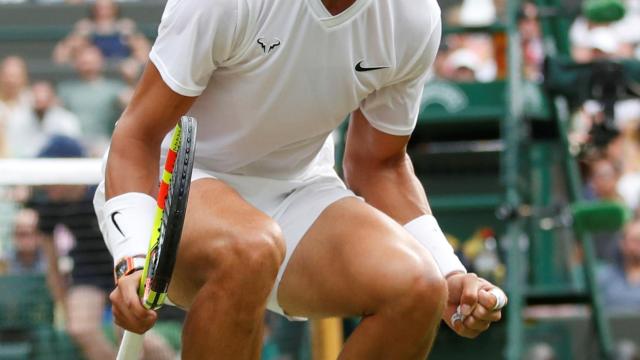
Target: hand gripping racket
{"points": [[167, 228]]}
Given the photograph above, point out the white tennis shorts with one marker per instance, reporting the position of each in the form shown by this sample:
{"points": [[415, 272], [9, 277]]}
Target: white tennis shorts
{"points": [[294, 205]]}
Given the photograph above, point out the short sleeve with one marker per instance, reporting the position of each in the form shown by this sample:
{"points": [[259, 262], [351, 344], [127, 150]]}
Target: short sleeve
{"points": [[194, 38], [394, 109]]}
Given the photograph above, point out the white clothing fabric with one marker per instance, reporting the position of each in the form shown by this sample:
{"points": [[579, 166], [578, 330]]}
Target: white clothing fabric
{"points": [[294, 205], [274, 78], [627, 112], [477, 12], [629, 188], [624, 31], [27, 134]]}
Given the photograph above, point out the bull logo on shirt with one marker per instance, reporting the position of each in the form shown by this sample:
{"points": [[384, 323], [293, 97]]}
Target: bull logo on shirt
{"points": [[268, 46]]}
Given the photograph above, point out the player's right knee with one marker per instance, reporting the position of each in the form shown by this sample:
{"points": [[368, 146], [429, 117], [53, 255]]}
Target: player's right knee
{"points": [[253, 251]]}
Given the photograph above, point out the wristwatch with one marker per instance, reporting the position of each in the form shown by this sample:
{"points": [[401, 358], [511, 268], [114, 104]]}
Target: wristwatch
{"points": [[128, 265]]}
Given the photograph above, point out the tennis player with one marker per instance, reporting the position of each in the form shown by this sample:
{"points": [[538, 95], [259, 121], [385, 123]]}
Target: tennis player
{"points": [[269, 223]]}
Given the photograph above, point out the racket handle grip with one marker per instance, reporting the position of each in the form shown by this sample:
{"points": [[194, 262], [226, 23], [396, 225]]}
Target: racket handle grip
{"points": [[130, 347]]}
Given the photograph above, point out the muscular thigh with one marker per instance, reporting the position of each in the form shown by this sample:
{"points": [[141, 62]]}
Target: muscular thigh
{"points": [[216, 213], [352, 258]]}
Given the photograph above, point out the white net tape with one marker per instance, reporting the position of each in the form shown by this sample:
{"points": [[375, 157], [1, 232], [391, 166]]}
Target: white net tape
{"points": [[50, 171], [18, 176]]}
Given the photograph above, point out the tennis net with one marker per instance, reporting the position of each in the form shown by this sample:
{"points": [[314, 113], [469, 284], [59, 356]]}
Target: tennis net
{"points": [[55, 272]]}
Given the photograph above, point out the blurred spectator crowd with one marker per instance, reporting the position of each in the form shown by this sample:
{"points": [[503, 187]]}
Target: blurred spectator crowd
{"points": [[47, 2], [75, 117], [609, 147], [84, 107], [54, 231], [611, 169]]}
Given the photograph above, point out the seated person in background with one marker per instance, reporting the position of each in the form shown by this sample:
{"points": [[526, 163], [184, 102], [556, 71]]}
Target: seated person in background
{"points": [[603, 179], [629, 184], [27, 256], [32, 255], [29, 133], [14, 97], [117, 38], [464, 65], [470, 58], [620, 282], [602, 44], [93, 98], [602, 185], [67, 50], [598, 43], [533, 52], [623, 32], [92, 273], [14, 83], [49, 115]]}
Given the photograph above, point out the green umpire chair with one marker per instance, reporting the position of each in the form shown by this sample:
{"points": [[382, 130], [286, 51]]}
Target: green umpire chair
{"points": [[497, 155]]}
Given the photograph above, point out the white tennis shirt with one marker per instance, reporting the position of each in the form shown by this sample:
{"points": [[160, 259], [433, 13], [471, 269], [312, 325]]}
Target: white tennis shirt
{"points": [[276, 77]]}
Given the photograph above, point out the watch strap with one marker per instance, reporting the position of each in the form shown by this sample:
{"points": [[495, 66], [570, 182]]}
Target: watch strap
{"points": [[128, 265]]}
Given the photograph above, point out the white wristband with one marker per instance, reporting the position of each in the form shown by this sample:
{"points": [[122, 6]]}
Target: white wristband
{"points": [[129, 220], [427, 231]]}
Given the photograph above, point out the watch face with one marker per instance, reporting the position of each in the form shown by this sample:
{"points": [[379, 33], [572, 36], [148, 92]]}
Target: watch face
{"points": [[123, 267], [128, 265], [119, 270]]}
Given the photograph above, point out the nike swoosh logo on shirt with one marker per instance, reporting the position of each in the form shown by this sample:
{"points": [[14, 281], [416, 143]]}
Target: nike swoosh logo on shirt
{"points": [[360, 68], [113, 219]]}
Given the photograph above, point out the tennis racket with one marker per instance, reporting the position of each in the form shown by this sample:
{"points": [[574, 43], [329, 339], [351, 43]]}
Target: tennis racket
{"points": [[167, 228]]}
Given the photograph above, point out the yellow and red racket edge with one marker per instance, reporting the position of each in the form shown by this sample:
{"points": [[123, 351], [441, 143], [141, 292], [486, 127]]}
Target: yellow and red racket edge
{"points": [[169, 217]]}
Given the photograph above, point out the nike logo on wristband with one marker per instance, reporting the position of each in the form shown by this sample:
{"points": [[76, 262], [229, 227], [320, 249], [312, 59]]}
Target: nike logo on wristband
{"points": [[113, 219], [360, 68]]}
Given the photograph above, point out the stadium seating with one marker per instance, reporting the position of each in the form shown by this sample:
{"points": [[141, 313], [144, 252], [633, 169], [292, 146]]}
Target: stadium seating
{"points": [[32, 30]]}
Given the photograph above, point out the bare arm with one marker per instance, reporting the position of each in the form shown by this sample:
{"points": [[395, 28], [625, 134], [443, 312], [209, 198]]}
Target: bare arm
{"points": [[135, 147], [55, 281], [377, 167], [133, 166]]}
